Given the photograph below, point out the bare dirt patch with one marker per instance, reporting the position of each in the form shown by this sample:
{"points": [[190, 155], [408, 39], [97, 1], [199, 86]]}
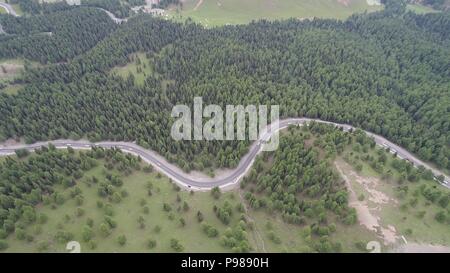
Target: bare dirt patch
{"points": [[9, 70], [368, 209], [422, 248], [11, 142]]}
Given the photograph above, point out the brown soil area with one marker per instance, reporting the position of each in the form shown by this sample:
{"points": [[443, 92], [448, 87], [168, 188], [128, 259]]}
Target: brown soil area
{"points": [[367, 209]]}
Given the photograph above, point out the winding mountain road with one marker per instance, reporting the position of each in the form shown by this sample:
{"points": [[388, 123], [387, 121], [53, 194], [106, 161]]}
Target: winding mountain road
{"points": [[113, 17], [202, 182], [230, 178], [10, 10]]}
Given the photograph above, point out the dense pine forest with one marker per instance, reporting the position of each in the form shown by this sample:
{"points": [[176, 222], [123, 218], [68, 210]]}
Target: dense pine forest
{"points": [[436, 4], [386, 72], [299, 168], [54, 37], [120, 8]]}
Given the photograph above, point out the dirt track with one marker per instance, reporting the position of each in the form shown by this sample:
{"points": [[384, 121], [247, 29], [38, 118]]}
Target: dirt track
{"points": [[199, 3], [367, 215]]}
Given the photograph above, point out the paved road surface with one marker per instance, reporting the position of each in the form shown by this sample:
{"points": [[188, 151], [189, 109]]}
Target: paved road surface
{"points": [[227, 179], [9, 8], [113, 17]]}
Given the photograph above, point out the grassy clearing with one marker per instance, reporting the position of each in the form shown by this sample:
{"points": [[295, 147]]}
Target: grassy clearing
{"points": [[222, 12], [18, 9], [2, 10], [292, 237], [10, 71], [412, 215], [420, 9], [191, 236], [138, 203], [10, 68], [140, 66], [126, 213], [11, 89]]}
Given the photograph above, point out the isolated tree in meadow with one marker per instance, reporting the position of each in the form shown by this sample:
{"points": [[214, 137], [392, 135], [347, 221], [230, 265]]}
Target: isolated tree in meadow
{"points": [[87, 233], [104, 229], [122, 240], [200, 216], [21, 153], [215, 192], [441, 216], [3, 245], [167, 207], [151, 243], [176, 245], [185, 206], [141, 222], [157, 229]]}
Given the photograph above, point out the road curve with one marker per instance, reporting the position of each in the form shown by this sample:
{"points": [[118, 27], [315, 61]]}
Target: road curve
{"points": [[201, 183], [227, 179], [113, 17], [9, 9]]}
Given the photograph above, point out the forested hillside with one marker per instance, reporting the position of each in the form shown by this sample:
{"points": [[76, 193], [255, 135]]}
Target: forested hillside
{"points": [[299, 168], [436, 4], [55, 37], [111, 201], [387, 72], [120, 8]]}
